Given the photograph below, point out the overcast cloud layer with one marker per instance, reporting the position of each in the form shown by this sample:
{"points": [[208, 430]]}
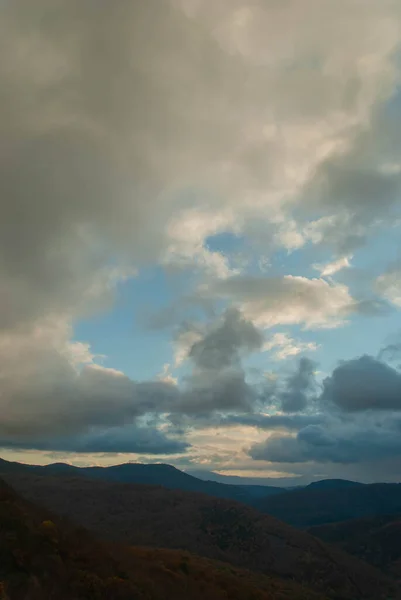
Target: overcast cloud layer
{"points": [[133, 134]]}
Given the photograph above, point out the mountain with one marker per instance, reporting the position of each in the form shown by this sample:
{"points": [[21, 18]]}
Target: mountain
{"points": [[375, 539], [317, 504], [211, 527], [153, 474], [333, 484], [43, 557], [276, 485]]}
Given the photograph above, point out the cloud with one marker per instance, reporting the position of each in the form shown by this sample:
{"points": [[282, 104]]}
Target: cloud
{"points": [[275, 421], [130, 439], [217, 380], [388, 285], [298, 387], [356, 192], [221, 347], [390, 352], [338, 442], [95, 173], [285, 346], [358, 422], [207, 392], [133, 131], [333, 267], [54, 394], [363, 383], [270, 301]]}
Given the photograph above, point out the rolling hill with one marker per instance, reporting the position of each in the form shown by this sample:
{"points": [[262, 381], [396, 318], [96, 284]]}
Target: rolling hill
{"points": [[375, 540], [43, 557], [215, 528]]}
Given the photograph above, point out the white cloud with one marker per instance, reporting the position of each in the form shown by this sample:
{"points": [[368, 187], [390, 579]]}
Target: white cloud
{"points": [[184, 341], [284, 346], [167, 376], [333, 267], [288, 300], [389, 286]]}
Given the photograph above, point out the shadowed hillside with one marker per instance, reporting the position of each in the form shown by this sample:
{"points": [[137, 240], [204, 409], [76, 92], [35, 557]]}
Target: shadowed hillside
{"points": [[376, 540], [45, 559], [216, 528], [315, 506]]}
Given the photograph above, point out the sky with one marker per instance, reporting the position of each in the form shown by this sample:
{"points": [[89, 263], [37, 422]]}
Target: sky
{"points": [[200, 235]]}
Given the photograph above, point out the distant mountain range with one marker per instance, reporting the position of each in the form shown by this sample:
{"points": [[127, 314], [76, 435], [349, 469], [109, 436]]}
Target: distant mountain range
{"points": [[325, 501], [152, 474], [281, 482]]}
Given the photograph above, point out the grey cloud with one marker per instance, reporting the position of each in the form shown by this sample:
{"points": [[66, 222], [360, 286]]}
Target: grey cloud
{"points": [[217, 381], [221, 346], [43, 391], [390, 352], [363, 383], [336, 443], [94, 397], [128, 439], [70, 403], [298, 387], [107, 113], [289, 422], [358, 423], [91, 138], [357, 191], [226, 391]]}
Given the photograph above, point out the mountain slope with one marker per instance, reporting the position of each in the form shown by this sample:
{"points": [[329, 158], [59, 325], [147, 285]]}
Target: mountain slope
{"points": [[315, 506], [42, 559], [375, 540], [153, 474], [216, 528]]}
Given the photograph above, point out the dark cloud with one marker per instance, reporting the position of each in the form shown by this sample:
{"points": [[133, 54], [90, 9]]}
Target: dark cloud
{"points": [[129, 439], [363, 383], [224, 391], [217, 381], [391, 352], [357, 191], [336, 442], [298, 387], [358, 422], [289, 422], [74, 402], [221, 347]]}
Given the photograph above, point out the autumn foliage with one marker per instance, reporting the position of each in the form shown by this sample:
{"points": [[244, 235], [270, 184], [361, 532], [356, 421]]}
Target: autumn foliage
{"points": [[44, 558]]}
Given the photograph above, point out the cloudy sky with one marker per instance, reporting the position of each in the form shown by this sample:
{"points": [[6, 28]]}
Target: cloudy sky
{"points": [[200, 235]]}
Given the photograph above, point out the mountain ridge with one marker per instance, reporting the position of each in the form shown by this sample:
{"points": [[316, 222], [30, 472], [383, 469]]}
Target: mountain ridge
{"points": [[153, 474]]}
